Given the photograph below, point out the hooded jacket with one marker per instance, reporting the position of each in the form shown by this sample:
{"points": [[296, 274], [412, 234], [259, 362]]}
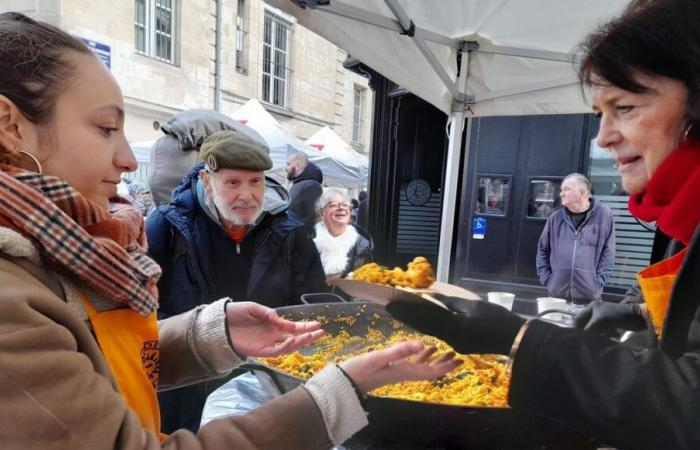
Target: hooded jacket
{"points": [[305, 192], [275, 264], [575, 264]]}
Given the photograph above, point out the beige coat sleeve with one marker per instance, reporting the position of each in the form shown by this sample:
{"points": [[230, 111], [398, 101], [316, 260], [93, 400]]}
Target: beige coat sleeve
{"points": [[57, 392]]}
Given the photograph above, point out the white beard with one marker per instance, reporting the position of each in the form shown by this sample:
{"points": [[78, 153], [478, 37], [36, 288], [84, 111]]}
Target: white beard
{"points": [[334, 250], [228, 214]]}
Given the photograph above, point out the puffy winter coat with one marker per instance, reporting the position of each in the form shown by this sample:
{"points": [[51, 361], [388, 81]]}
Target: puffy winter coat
{"points": [[275, 264]]}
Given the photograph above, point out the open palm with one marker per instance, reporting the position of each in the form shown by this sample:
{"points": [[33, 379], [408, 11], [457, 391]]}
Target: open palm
{"points": [[258, 331]]}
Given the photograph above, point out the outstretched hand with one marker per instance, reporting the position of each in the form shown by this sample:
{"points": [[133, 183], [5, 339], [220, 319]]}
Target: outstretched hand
{"points": [[405, 361], [258, 331]]}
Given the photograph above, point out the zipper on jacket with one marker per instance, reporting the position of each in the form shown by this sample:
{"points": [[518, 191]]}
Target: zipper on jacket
{"points": [[573, 261], [238, 248]]}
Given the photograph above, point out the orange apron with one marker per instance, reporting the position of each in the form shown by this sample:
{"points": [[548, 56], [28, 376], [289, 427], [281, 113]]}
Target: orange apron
{"points": [[657, 282], [129, 343]]}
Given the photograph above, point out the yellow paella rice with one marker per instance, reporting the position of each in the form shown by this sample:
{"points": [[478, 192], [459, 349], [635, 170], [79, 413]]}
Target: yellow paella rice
{"points": [[468, 385]]}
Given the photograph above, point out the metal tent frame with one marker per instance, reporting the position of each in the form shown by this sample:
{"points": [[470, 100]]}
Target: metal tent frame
{"points": [[462, 99]]}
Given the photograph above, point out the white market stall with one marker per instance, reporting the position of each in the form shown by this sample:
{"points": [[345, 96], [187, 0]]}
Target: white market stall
{"points": [[329, 143], [282, 144], [466, 57]]}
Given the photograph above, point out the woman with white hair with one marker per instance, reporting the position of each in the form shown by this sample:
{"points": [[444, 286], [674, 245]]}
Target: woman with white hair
{"points": [[343, 246]]}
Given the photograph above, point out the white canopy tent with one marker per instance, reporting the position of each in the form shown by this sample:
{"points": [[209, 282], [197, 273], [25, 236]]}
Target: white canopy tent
{"points": [[466, 57], [329, 143], [282, 144]]}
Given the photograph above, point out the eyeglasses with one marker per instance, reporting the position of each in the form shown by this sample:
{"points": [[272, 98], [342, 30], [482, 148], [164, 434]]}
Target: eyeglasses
{"points": [[336, 205]]}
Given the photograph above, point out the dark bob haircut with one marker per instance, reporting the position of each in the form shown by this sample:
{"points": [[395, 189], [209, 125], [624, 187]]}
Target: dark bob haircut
{"points": [[654, 38]]}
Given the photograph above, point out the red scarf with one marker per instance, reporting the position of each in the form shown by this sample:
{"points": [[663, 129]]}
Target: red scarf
{"points": [[105, 250], [672, 196]]}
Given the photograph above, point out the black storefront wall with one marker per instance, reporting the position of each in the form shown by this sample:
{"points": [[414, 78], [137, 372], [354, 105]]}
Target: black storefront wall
{"points": [[409, 143], [522, 152]]}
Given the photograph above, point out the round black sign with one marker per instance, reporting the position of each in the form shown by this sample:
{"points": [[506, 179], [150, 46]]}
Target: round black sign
{"points": [[418, 192]]}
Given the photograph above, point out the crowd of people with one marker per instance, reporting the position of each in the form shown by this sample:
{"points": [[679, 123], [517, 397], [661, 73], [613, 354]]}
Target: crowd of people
{"points": [[82, 351], [110, 325]]}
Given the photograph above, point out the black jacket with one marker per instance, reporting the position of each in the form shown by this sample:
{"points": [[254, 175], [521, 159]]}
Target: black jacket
{"points": [[621, 397], [360, 253], [304, 193]]}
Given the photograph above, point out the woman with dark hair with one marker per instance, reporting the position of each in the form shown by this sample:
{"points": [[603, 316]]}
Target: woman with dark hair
{"points": [[644, 72], [81, 352]]}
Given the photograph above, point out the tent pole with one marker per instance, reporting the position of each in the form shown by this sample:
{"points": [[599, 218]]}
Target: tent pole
{"points": [[449, 199], [449, 193]]}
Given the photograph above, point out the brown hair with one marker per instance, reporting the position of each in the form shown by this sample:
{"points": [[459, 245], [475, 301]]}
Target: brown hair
{"points": [[652, 37], [33, 66]]}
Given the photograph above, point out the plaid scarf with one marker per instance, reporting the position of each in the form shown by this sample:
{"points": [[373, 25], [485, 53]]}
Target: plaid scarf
{"points": [[104, 249]]}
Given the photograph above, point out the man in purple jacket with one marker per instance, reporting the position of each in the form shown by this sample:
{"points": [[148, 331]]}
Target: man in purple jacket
{"points": [[576, 250]]}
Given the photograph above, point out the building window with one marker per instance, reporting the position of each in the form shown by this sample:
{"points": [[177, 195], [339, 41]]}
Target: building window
{"points": [[241, 37], [543, 198], [357, 112], [154, 28], [492, 195], [276, 46]]}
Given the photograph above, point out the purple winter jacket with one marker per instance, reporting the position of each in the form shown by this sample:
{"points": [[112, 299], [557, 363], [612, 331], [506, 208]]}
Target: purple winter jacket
{"points": [[575, 264]]}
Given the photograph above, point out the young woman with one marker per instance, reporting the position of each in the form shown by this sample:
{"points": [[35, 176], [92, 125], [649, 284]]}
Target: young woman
{"points": [[81, 353], [644, 71]]}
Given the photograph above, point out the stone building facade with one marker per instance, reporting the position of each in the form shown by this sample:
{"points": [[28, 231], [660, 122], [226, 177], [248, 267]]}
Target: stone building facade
{"points": [[164, 53]]}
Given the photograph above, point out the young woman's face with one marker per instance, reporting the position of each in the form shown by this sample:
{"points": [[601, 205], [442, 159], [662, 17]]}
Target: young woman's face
{"points": [[84, 144], [640, 130]]}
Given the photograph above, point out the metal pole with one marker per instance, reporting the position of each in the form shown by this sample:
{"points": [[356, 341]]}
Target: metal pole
{"points": [[217, 58], [449, 199]]}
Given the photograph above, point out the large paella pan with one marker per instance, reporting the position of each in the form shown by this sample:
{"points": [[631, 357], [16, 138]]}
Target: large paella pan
{"points": [[419, 423]]}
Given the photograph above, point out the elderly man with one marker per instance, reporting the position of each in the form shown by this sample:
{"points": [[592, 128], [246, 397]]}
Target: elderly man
{"points": [[226, 233], [306, 189], [576, 250]]}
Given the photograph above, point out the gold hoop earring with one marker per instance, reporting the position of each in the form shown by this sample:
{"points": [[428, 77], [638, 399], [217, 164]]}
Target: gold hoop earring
{"points": [[39, 169], [687, 130]]}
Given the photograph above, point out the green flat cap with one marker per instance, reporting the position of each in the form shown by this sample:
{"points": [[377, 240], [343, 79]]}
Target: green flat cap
{"points": [[232, 149]]}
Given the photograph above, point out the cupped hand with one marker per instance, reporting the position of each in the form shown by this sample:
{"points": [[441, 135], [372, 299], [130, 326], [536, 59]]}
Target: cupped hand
{"points": [[405, 361], [258, 331]]}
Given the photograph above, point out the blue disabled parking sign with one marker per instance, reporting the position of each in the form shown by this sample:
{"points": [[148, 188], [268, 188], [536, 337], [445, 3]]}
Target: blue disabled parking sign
{"points": [[479, 228]]}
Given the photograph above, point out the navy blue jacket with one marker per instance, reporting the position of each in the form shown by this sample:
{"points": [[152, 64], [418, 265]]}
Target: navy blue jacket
{"points": [[275, 264], [575, 264]]}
